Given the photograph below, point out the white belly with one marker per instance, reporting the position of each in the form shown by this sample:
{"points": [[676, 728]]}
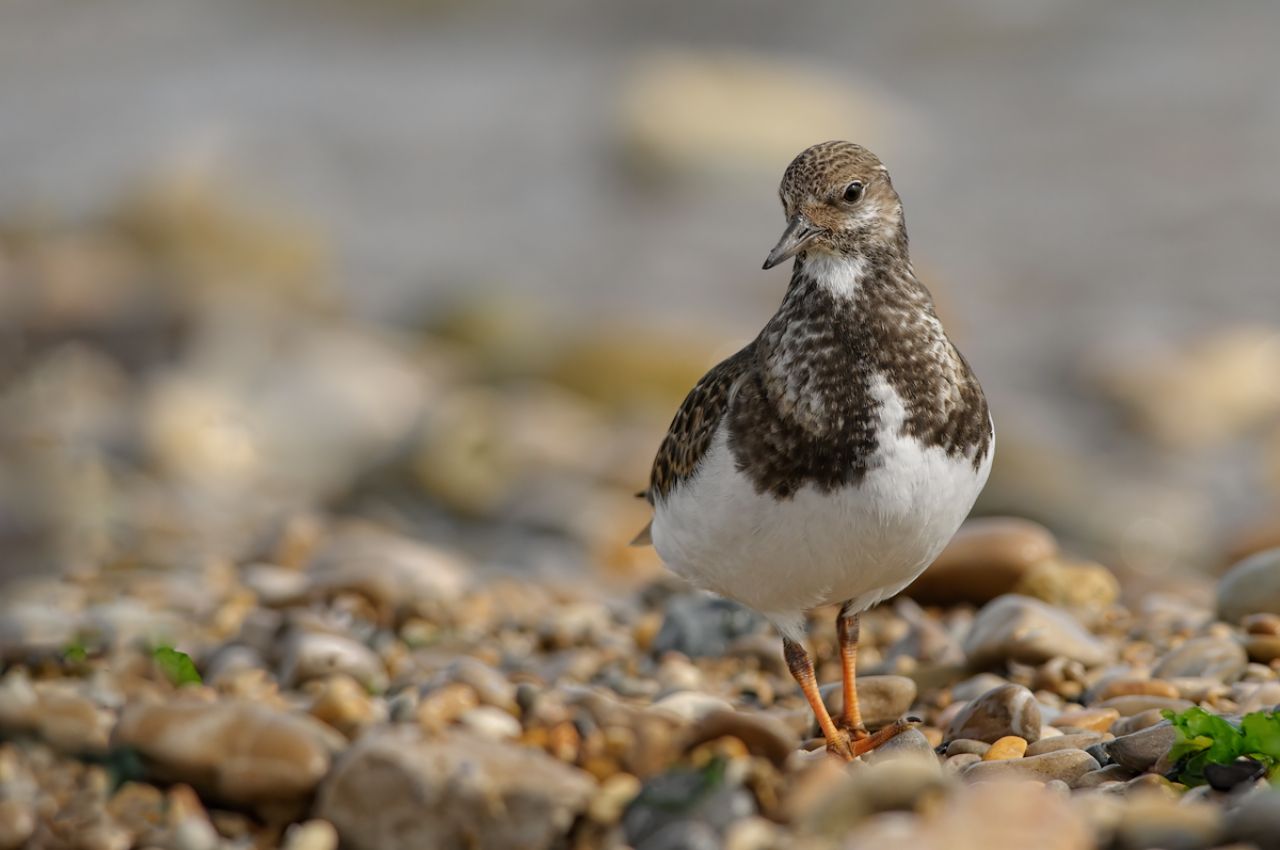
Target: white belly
{"points": [[861, 543]]}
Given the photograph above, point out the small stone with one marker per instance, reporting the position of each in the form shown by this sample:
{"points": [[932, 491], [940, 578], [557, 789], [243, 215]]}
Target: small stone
{"points": [[681, 835], [956, 764], [1225, 777], [1008, 747], [987, 558], [762, 734], [967, 745], [613, 797], [492, 723], [1070, 584], [753, 833], [71, 722], [444, 705], [1261, 624], [1251, 587], [316, 655], [311, 835], [976, 686], [1111, 774], [1006, 710], [1262, 648], [1074, 741], [345, 705], [896, 784], [881, 699], [1094, 719], [396, 789], [690, 706], [1137, 722], [1026, 630], [700, 625], [1153, 819], [1129, 686], [239, 751], [17, 823], [1140, 750], [1256, 819], [685, 796], [1218, 658], [1067, 765], [1131, 705], [910, 743], [396, 573], [276, 587]]}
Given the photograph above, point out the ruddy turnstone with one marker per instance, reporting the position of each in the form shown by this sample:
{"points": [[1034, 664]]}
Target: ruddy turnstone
{"points": [[831, 459]]}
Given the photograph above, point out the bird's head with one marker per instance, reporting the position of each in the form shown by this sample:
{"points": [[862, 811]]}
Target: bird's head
{"points": [[838, 200]]}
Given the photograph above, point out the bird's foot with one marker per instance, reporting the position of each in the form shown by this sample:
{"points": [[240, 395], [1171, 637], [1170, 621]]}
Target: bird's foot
{"points": [[855, 741]]}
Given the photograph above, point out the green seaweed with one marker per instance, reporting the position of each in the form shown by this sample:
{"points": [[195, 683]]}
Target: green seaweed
{"points": [[1205, 738], [176, 666]]}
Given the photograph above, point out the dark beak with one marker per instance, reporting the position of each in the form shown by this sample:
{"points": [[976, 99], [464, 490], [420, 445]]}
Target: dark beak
{"points": [[798, 233]]}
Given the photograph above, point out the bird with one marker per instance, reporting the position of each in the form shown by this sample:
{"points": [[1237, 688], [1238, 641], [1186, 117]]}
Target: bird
{"points": [[831, 459]]}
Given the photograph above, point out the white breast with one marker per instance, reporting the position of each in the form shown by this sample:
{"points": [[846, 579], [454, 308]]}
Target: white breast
{"points": [[861, 543]]}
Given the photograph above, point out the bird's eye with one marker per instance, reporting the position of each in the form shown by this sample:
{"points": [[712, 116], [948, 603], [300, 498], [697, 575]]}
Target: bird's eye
{"points": [[853, 192]]}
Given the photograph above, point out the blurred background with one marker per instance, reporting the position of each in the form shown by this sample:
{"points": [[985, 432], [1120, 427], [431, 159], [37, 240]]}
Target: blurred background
{"points": [[449, 267]]}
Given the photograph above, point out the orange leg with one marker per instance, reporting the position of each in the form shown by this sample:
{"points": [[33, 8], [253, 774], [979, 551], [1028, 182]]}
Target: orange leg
{"points": [[801, 668], [847, 630]]}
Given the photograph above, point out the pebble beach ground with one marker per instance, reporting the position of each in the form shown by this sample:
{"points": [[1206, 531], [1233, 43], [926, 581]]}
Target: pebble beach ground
{"points": [[397, 564]]}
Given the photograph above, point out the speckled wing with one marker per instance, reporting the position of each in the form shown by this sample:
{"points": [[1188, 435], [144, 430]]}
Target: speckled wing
{"points": [[695, 425]]}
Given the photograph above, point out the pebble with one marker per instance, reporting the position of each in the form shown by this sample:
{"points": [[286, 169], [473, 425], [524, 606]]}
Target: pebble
{"points": [[763, 735], [313, 655], [1140, 750], [881, 699], [701, 625], [344, 704], [1070, 584], [1093, 719], [1128, 706], [311, 835], [1074, 741], [1110, 774], [239, 751], [967, 745], [396, 573], [1067, 765], [892, 785], [1008, 747], [276, 587], [17, 823], [1129, 686], [492, 723], [1256, 819], [910, 743], [396, 789], [677, 798], [691, 706], [1262, 648], [1223, 659], [612, 798], [1152, 820], [987, 558], [1137, 722], [1026, 630], [1006, 710], [1250, 587]]}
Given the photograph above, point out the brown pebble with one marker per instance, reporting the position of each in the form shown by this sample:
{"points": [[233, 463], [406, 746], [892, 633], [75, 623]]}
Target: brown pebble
{"points": [[1262, 648], [1008, 747], [1137, 722], [1131, 686], [1075, 741], [446, 704], [986, 558], [1092, 719]]}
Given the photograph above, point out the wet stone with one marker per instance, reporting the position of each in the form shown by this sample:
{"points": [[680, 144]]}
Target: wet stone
{"points": [[1026, 630], [398, 789], [1067, 765], [701, 625], [1006, 710], [1140, 750], [1251, 587], [1218, 658]]}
